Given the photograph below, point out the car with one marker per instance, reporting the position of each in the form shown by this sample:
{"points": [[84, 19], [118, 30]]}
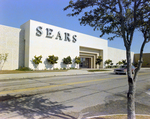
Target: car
{"points": [[123, 70]]}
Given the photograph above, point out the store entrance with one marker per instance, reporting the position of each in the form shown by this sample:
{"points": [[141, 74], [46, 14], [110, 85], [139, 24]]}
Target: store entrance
{"points": [[85, 63]]}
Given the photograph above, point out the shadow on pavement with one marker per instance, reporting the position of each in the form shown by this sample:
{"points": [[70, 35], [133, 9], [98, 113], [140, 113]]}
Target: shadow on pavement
{"points": [[29, 107], [114, 105]]}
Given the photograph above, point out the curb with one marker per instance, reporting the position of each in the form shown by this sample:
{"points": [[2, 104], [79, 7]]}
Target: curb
{"points": [[44, 76]]}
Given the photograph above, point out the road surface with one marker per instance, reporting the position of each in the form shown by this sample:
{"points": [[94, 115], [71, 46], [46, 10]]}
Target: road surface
{"points": [[71, 97]]}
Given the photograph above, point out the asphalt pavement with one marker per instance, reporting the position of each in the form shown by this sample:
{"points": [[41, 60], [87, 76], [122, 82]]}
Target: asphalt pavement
{"points": [[113, 104]]}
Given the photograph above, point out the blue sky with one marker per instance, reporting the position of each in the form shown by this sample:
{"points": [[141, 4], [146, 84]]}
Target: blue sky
{"points": [[16, 12]]}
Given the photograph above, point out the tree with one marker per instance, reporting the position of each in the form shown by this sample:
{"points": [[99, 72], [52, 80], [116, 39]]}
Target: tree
{"points": [[3, 58], [119, 18], [52, 59], [108, 62], [124, 62], [77, 60], [120, 63], [111, 64], [99, 60], [37, 60], [145, 29], [67, 61]]}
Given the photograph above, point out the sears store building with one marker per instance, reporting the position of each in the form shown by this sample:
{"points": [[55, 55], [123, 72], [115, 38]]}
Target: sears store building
{"points": [[36, 38]]}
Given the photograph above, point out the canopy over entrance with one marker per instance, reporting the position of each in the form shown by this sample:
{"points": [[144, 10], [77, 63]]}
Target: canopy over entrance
{"points": [[88, 57]]}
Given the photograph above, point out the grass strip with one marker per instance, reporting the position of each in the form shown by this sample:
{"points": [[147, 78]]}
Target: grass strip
{"points": [[97, 70], [37, 71]]}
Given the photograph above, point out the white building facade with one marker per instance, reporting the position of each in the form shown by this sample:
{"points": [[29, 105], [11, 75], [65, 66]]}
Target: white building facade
{"points": [[36, 38]]}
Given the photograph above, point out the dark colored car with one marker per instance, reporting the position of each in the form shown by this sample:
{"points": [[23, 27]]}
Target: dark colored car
{"points": [[123, 70]]}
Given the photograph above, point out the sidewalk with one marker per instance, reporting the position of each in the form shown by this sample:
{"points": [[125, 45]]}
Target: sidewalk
{"points": [[47, 74]]}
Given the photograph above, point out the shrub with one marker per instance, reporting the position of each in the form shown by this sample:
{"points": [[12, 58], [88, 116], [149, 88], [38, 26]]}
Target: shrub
{"points": [[24, 69], [77, 60], [108, 62], [67, 60], [52, 59], [37, 60], [73, 68], [115, 66], [124, 62], [56, 69], [99, 60]]}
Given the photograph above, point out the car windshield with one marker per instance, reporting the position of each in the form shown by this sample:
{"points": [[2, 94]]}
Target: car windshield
{"points": [[123, 67]]}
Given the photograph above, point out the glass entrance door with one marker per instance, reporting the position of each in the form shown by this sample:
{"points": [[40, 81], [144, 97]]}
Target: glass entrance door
{"points": [[85, 63]]}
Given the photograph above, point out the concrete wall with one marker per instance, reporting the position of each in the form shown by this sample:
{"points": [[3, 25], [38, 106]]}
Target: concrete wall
{"points": [[146, 59], [117, 55], [9, 43]]}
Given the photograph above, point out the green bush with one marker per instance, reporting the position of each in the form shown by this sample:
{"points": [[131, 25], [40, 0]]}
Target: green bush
{"points": [[55, 69], [99, 60], [64, 68], [77, 60], [24, 69], [37, 59], [124, 62], [73, 68], [67, 60], [108, 62], [115, 66], [52, 59], [109, 66]]}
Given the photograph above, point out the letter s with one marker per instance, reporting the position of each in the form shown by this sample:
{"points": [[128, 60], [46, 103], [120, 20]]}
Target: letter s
{"points": [[74, 38], [39, 31]]}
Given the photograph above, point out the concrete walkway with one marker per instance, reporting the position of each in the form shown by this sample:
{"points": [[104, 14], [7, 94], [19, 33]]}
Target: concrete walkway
{"points": [[47, 74]]}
